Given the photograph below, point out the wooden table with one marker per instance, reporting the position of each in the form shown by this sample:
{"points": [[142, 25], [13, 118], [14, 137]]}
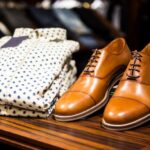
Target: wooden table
{"points": [[86, 134]]}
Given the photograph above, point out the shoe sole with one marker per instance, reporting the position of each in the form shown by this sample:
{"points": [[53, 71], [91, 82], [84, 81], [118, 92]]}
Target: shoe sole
{"points": [[127, 126], [91, 110]]}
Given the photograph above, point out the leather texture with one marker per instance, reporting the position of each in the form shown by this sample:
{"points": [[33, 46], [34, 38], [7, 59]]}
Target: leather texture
{"points": [[94, 81], [131, 100]]}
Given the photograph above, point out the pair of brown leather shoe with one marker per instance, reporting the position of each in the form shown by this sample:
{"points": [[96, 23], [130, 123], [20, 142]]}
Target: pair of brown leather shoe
{"points": [[130, 104]]}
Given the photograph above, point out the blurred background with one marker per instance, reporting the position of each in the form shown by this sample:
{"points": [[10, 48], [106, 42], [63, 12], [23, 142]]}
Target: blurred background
{"points": [[93, 23]]}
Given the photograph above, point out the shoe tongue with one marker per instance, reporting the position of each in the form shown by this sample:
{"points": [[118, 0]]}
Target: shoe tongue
{"points": [[116, 46], [146, 50]]}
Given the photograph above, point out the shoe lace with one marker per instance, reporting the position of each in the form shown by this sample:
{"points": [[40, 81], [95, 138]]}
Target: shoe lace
{"points": [[134, 67], [94, 59]]}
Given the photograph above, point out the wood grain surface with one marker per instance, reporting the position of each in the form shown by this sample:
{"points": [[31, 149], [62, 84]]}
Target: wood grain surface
{"points": [[86, 134]]}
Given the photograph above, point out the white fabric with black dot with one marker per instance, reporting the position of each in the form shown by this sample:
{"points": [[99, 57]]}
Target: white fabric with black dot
{"points": [[34, 74]]}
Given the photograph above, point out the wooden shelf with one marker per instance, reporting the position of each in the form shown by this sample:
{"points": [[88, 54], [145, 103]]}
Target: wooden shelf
{"points": [[87, 134]]}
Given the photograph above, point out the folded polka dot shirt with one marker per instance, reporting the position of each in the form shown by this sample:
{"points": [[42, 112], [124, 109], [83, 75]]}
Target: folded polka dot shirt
{"points": [[36, 68]]}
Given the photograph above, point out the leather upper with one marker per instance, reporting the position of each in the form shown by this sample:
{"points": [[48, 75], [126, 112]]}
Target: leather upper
{"points": [[131, 99], [137, 89], [93, 82]]}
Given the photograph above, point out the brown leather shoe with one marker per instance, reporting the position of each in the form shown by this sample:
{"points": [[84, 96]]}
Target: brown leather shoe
{"points": [[91, 91], [129, 107]]}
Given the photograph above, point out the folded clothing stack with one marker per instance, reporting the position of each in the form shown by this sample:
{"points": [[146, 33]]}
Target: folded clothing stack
{"points": [[36, 68]]}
